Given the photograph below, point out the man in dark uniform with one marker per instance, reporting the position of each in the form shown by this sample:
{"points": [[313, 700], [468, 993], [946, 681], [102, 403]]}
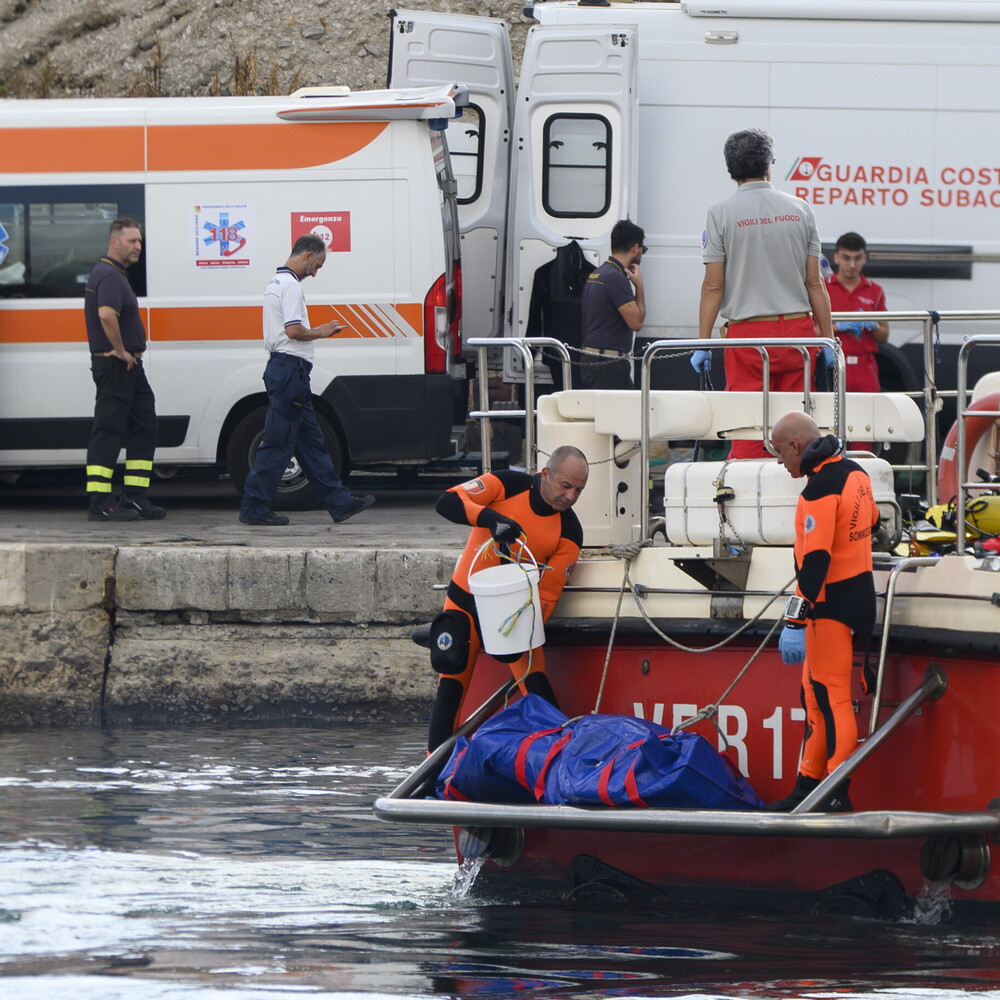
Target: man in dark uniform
{"points": [[834, 600], [613, 309], [504, 506], [125, 409]]}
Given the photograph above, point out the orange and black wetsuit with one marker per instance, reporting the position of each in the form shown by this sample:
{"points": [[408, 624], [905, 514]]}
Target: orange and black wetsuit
{"points": [[834, 521], [554, 538]]}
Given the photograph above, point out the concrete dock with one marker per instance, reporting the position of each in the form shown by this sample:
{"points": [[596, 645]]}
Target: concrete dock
{"points": [[199, 618]]}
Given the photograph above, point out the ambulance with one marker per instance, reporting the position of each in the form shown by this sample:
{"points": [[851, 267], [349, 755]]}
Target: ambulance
{"points": [[885, 116], [223, 187]]}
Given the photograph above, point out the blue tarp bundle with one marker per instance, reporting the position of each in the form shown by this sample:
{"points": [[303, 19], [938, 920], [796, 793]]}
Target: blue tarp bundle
{"points": [[531, 752], [506, 756]]}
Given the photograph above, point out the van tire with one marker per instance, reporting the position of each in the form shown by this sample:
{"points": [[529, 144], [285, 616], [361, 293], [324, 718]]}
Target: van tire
{"points": [[294, 491]]}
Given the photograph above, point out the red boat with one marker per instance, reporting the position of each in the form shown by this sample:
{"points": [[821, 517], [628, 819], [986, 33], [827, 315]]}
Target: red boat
{"points": [[675, 618]]}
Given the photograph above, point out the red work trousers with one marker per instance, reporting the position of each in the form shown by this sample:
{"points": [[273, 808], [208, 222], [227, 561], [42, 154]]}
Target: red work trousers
{"points": [[745, 372]]}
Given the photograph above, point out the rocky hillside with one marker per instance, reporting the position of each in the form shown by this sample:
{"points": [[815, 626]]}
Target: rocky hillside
{"points": [[117, 48]]}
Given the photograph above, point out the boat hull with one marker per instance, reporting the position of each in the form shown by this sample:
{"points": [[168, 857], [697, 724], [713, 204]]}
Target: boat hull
{"points": [[940, 761]]}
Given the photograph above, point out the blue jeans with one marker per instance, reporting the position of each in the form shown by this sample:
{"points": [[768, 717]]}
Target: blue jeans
{"points": [[291, 428]]}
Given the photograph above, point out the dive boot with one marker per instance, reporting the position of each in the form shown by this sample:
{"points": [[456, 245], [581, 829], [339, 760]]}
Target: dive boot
{"points": [[836, 802], [803, 786]]}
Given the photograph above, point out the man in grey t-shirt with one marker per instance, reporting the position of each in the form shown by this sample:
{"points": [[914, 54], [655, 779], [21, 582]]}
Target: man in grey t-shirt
{"points": [[761, 254]]}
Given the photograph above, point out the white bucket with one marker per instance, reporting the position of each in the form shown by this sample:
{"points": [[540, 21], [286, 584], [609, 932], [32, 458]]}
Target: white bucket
{"points": [[507, 602]]}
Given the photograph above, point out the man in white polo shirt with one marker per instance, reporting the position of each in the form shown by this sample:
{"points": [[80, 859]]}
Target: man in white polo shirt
{"points": [[291, 426]]}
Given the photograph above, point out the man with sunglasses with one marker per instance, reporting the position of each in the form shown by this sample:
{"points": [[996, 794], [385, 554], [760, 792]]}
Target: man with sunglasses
{"points": [[613, 309]]}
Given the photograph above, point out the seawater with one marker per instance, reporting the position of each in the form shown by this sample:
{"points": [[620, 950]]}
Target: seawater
{"points": [[245, 864]]}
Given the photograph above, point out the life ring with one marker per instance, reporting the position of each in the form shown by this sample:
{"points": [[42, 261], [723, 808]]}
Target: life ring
{"points": [[975, 428]]}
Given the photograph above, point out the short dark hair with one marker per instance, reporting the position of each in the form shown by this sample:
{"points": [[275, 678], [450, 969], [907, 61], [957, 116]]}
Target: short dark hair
{"points": [[123, 222], [853, 242], [749, 154], [625, 234], [308, 242]]}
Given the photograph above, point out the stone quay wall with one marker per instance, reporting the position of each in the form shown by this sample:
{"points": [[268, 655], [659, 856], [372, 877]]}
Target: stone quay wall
{"points": [[103, 634]]}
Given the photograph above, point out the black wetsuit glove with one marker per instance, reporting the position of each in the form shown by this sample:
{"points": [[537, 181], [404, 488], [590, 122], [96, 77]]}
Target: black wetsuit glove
{"points": [[503, 529]]}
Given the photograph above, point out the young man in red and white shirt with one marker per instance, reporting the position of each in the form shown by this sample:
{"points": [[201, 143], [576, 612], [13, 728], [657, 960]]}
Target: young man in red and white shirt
{"points": [[851, 291]]}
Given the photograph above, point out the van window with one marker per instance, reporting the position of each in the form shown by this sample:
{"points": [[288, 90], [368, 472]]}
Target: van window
{"points": [[52, 235], [576, 165], [465, 143]]}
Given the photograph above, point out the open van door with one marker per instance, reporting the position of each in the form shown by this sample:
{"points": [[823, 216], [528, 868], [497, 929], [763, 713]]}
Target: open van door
{"points": [[428, 48], [574, 168]]}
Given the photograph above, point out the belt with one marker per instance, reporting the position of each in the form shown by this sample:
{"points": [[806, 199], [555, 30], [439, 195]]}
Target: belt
{"points": [[607, 351], [771, 319], [103, 354], [285, 356], [292, 359]]}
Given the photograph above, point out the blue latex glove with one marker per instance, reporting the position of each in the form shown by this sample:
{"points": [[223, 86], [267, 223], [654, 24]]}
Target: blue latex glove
{"points": [[792, 645], [854, 328], [869, 325], [701, 361], [827, 356]]}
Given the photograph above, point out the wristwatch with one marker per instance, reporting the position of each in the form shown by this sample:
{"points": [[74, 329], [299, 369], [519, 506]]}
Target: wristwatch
{"points": [[797, 611]]}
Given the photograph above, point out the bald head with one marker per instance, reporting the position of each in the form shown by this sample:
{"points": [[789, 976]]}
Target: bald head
{"points": [[792, 434], [564, 477]]}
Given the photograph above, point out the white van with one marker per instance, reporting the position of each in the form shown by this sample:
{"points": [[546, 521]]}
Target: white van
{"points": [[885, 115], [223, 187]]}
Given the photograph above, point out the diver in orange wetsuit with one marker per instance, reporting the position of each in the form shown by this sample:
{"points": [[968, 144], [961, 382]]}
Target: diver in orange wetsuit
{"points": [[504, 506], [834, 600]]}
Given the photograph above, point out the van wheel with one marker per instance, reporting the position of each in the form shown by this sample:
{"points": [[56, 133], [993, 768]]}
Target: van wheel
{"points": [[294, 491]]}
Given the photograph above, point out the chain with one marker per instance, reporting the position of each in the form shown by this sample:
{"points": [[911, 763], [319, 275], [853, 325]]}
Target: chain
{"points": [[597, 360], [720, 502], [594, 360], [590, 462], [836, 401]]}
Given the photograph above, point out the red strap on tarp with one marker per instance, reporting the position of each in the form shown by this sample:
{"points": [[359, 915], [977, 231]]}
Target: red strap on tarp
{"points": [[521, 760], [631, 789], [539, 790]]}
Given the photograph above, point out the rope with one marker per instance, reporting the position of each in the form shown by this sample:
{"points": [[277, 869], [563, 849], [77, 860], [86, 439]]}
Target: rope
{"points": [[724, 642], [626, 551], [711, 711], [629, 550]]}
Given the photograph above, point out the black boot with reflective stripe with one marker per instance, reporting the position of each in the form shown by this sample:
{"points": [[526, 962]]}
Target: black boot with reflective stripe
{"points": [[139, 502], [107, 507]]}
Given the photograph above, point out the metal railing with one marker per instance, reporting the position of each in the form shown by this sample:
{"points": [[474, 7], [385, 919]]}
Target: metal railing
{"points": [[898, 567], [962, 458], [931, 395], [525, 347], [660, 347]]}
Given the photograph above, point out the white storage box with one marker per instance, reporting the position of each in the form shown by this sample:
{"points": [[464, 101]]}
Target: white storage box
{"points": [[763, 509]]}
